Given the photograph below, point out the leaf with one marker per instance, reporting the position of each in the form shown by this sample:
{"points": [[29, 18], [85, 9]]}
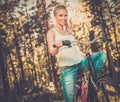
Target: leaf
{"points": [[21, 13]]}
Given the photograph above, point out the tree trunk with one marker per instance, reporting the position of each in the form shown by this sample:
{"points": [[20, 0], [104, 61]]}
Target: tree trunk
{"points": [[109, 57], [19, 56], [17, 85], [53, 61], [47, 55], [4, 72]]}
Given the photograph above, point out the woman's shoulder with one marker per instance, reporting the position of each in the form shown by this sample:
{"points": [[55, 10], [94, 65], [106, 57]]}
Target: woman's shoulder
{"points": [[51, 32]]}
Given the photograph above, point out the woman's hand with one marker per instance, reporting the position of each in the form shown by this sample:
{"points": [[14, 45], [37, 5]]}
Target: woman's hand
{"points": [[58, 44]]}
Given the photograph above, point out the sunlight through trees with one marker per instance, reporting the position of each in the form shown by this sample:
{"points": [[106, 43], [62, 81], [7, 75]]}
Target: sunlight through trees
{"points": [[27, 71]]}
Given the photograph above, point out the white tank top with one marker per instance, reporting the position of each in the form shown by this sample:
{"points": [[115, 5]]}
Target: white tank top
{"points": [[67, 56]]}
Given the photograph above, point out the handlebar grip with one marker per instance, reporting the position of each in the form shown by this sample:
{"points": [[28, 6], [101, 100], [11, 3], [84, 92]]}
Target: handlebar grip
{"points": [[65, 43]]}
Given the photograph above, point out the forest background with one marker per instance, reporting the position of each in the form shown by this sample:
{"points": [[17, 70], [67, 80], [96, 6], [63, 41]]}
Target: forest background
{"points": [[28, 73]]}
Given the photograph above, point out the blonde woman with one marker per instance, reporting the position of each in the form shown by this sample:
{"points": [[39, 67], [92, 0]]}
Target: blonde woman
{"points": [[70, 59]]}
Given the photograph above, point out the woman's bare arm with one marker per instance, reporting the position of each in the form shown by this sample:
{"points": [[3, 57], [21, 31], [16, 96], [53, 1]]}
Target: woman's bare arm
{"points": [[51, 40]]}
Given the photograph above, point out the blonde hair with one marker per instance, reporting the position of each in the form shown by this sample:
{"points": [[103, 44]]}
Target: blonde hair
{"points": [[58, 7]]}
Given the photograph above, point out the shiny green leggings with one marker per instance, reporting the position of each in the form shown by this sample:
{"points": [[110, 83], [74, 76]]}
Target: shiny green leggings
{"points": [[69, 74]]}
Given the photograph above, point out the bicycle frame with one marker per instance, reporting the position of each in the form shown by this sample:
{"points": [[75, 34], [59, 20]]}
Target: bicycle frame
{"points": [[93, 77], [91, 69], [92, 80]]}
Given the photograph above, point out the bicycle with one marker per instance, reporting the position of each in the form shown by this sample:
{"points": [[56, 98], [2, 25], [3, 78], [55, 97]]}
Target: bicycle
{"points": [[100, 88]]}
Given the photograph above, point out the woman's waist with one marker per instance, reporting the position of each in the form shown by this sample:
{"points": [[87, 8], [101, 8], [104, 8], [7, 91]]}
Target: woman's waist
{"points": [[68, 60], [69, 66]]}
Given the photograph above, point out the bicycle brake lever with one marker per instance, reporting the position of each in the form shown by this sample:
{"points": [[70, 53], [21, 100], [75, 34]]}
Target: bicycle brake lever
{"points": [[104, 39]]}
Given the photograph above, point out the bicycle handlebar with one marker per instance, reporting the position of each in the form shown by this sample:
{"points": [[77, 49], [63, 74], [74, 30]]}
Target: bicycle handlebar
{"points": [[68, 42]]}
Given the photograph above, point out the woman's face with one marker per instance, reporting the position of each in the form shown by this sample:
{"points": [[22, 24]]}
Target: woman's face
{"points": [[61, 17]]}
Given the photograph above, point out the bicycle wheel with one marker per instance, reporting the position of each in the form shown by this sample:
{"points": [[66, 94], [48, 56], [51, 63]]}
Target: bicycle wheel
{"points": [[108, 90]]}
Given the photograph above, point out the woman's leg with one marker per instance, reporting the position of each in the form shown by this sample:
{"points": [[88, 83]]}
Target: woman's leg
{"points": [[68, 83], [98, 59], [69, 75]]}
